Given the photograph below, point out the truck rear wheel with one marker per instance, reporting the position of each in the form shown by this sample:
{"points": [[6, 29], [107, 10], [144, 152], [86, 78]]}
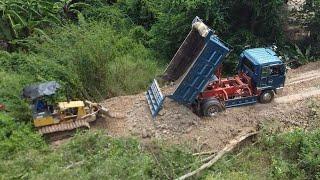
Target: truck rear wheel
{"points": [[210, 108], [266, 96]]}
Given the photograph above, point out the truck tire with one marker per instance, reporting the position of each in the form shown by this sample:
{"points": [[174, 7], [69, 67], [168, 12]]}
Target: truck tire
{"points": [[266, 96], [211, 107]]}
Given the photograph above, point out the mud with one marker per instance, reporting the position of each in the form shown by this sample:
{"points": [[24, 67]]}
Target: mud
{"points": [[178, 125]]}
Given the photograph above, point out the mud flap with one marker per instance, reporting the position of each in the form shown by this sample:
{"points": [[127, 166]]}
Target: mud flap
{"points": [[155, 98]]}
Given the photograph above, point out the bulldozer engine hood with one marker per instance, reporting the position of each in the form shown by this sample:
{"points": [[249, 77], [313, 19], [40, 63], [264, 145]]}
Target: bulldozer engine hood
{"points": [[40, 90]]}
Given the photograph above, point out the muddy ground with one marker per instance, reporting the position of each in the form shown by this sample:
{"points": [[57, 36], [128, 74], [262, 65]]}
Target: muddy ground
{"points": [[177, 124]]}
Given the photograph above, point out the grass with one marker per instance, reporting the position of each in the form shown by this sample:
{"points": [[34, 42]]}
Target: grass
{"points": [[94, 155]]}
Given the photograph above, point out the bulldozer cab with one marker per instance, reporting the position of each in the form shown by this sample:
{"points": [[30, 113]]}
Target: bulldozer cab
{"points": [[42, 110]]}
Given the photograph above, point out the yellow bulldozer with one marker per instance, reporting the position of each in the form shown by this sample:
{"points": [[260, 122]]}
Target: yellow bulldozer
{"points": [[62, 116]]}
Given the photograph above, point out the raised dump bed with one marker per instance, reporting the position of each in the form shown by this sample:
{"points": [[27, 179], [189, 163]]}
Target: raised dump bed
{"points": [[191, 68]]}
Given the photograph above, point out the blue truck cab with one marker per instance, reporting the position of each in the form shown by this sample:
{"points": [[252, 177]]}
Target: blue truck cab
{"points": [[264, 67]]}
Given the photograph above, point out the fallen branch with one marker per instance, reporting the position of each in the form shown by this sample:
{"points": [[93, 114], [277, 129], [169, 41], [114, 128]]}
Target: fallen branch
{"points": [[72, 165], [204, 153], [208, 158], [232, 144]]}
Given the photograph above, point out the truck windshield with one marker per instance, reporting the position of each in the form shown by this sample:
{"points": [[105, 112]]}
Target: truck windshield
{"points": [[273, 70]]}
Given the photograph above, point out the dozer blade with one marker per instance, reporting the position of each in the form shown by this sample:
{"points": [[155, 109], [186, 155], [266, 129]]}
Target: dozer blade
{"points": [[64, 127], [155, 98], [188, 51]]}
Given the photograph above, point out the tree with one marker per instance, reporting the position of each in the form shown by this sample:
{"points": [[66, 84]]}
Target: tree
{"points": [[20, 18]]}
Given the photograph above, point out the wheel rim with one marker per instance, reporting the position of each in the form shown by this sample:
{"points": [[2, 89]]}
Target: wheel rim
{"points": [[212, 111], [267, 97]]}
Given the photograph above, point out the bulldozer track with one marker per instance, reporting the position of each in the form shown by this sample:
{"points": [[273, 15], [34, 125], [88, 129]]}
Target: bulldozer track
{"points": [[64, 127]]}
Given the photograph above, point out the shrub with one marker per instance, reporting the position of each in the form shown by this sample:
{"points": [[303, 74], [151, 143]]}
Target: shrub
{"points": [[94, 155], [291, 155], [173, 22], [106, 62], [21, 18], [16, 138], [10, 94]]}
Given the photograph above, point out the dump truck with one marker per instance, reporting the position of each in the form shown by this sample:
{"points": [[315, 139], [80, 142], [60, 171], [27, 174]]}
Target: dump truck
{"points": [[196, 72], [54, 117]]}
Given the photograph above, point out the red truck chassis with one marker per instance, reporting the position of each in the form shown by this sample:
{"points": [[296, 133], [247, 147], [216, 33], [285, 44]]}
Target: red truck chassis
{"points": [[224, 89]]}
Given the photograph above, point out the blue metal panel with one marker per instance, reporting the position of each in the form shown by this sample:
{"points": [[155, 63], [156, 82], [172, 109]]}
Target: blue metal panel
{"points": [[201, 71], [241, 101], [155, 98]]}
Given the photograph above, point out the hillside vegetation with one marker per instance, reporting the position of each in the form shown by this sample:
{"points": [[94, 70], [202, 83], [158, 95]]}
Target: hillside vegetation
{"points": [[100, 49], [94, 155]]}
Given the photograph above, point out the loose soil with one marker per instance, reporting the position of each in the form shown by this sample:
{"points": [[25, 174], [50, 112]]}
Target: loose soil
{"points": [[178, 125]]}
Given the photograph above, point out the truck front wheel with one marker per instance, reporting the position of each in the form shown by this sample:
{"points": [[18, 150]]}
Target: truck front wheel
{"points": [[266, 96], [210, 108]]}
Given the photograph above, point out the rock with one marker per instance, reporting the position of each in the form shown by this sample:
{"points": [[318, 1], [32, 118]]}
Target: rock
{"points": [[161, 113], [189, 130], [145, 134]]}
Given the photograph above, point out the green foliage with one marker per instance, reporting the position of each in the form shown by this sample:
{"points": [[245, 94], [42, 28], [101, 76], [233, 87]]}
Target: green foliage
{"points": [[171, 161], [93, 155], [21, 18], [293, 155], [304, 57], [10, 94], [263, 19], [16, 138], [139, 12], [106, 62], [314, 27], [70, 9], [174, 22]]}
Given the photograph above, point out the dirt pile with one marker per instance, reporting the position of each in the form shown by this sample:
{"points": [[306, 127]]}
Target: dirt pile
{"points": [[173, 120], [177, 124]]}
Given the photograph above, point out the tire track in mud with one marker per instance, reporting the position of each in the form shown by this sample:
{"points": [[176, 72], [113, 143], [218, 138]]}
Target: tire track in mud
{"points": [[301, 86], [312, 92], [308, 76]]}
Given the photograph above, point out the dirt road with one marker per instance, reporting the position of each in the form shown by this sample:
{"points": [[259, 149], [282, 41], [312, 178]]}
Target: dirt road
{"points": [[177, 124]]}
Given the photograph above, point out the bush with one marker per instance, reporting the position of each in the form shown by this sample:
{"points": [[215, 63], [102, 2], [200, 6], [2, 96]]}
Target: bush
{"points": [[94, 155], [10, 95], [314, 26], [21, 18], [293, 155], [106, 62], [16, 138], [174, 22]]}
